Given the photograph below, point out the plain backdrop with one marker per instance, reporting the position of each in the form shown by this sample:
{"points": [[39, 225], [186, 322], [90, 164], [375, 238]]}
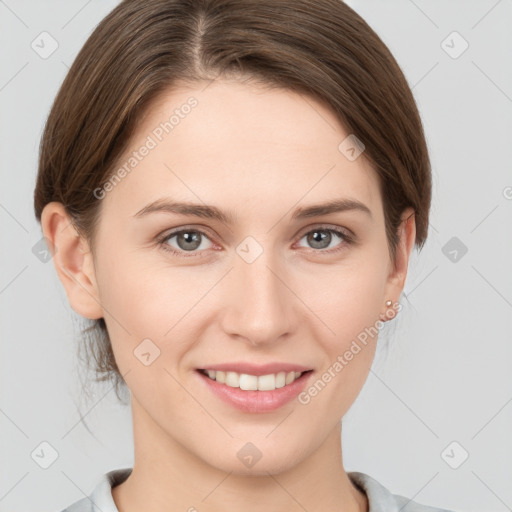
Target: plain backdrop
{"points": [[434, 419]]}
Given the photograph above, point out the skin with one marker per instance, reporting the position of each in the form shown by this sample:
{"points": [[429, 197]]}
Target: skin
{"points": [[260, 154]]}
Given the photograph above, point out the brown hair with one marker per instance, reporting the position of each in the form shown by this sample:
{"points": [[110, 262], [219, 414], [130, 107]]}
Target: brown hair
{"points": [[321, 48]]}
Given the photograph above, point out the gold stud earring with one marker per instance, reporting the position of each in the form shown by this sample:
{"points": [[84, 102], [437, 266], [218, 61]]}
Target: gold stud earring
{"points": [[388, 303]]}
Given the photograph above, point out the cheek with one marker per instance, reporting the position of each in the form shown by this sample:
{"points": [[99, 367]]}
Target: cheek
{"points": [[143, 291], [140, 302], [348, 308], [347, 299]]}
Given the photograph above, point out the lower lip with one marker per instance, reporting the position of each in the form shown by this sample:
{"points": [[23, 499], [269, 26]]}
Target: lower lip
{"points": [[256, 401]]}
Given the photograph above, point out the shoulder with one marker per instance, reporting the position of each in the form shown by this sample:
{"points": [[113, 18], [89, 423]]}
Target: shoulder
{"points": [[100, 499], [380, 498]]}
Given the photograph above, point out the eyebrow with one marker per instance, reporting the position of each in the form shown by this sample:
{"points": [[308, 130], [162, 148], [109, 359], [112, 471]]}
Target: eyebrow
{"points": [[212, 212]]}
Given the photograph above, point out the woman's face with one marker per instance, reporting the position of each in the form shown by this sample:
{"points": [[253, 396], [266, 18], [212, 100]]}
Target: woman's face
{"points": [[256, 276]]}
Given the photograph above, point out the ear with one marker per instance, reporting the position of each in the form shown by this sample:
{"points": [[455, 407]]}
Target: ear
{"points": [[73, 261], [398, 272]]}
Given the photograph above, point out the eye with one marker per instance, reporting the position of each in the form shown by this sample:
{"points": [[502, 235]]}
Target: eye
{"points": [[321, 237], [187, 240]]}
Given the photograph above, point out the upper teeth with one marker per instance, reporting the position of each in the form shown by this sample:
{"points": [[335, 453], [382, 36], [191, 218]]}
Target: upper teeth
{"points": [[253, 382]]}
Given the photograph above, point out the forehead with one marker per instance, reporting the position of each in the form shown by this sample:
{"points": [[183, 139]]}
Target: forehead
{"points": [[243, 144]]}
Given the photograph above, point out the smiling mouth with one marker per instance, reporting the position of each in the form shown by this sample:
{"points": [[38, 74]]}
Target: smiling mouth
{"points": [[247, 382]]}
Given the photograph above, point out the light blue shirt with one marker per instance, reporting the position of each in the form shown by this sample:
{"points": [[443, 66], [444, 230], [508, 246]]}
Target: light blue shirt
{"points": [[379, 498]]}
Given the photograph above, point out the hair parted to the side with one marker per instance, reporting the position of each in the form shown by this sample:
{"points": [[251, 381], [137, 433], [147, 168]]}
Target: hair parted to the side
{"points": [[320, 48]]}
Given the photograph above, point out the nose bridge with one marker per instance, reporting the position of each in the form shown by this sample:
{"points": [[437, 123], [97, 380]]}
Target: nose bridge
{"points": [[259, 301]]}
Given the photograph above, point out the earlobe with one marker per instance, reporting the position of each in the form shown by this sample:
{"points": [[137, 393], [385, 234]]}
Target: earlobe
{"points": [[73, 261]]}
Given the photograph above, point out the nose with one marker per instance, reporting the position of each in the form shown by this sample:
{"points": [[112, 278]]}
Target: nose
{"points": [[260, 304]]}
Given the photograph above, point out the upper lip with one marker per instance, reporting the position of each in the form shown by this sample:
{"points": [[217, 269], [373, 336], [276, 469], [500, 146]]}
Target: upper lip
{"points": [[256, 369]]}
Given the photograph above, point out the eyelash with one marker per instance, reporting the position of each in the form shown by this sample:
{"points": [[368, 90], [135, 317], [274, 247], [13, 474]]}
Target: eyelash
{"points": [[347, 240]]}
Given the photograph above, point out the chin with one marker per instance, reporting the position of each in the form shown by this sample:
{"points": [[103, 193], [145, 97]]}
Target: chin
{"points": [[247, 460]]}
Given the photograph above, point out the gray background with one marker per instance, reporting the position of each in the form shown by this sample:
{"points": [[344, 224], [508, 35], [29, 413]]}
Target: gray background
{"points": [[446, 377]]}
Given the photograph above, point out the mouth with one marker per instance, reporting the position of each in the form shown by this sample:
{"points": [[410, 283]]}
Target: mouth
{"points": [[254, 393], [248, 382]]}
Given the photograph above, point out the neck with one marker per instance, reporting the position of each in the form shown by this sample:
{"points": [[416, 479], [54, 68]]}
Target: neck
{"points": [[167, 477]]}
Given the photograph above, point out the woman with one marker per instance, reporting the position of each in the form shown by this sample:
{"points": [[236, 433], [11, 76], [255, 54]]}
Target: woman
{"points": [[232, 191]]}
